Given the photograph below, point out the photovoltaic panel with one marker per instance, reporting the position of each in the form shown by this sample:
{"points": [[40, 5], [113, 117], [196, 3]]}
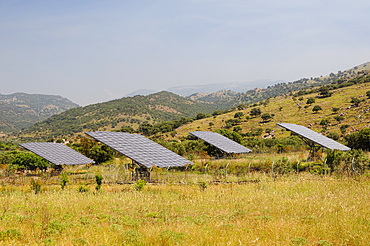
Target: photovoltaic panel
{"points": [[314, 136], [140, 149], [221, 142], [57, 153]]}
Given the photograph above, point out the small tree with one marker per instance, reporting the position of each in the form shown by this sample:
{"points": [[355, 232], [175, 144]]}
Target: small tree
{"points": [[338, 118], [317, 108], [343, 128], [241, 107], [99, 181], [266, 117], [217, 112], [255, 112], [324, 122], [368, 94], [238, 115], [201, 116], [355, 101], [334, 109], [324, 91], [359, 140], [310, 100]]}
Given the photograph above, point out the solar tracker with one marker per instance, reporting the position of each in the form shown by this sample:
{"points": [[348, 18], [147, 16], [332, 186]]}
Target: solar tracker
{"points": [[57, 153], [314, 136], [221, 142], [140, 149]]}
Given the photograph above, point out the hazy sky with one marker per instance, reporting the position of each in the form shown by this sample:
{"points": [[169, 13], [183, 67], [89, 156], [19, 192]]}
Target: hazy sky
{"points": [[94, 51]]}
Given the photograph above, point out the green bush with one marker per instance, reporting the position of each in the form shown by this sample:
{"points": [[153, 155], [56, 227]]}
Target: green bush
{"points": [[99, 181], [139, 185], [63, 180]]}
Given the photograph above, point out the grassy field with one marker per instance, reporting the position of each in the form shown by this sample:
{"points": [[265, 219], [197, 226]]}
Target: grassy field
{"points": [[186, 208]]}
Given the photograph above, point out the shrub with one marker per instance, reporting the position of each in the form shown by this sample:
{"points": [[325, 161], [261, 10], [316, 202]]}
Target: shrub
{"points": [[27, 160], [139, 185], [35, 186], [83, 188], [317, 108], [202, 185], [334, 109], [255, 112], [343, 128], [99, 181], [359, 140], [324, 122], [333, 135], [338, 118], [355, 101], [63, 180], [310, 100]]}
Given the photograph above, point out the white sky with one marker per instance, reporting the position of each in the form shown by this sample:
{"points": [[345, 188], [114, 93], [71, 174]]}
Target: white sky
{"points": [[94, 51]]}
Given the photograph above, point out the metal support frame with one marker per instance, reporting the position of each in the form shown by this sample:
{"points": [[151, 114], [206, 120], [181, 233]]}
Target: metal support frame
{"points": [[314, 149], [140, 172]]}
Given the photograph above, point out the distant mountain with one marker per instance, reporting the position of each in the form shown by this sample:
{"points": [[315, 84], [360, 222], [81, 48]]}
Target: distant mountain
{"points": [[188, 90], [211, 88], [115, 114], [21, 110], [142, 92]]}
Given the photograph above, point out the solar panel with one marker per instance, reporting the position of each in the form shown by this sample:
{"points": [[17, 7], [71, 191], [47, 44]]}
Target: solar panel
{"points": [[57, 153], [221, 142], [314, 136], [140, 149]]}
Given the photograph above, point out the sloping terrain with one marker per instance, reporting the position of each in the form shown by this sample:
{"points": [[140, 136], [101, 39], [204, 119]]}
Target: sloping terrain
{"points": [[21, 110], [232, 99], [344, 110], [112, 115]]}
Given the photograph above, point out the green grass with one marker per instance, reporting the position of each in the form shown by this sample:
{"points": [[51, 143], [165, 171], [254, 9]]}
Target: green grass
{"points": [[291, 209]]}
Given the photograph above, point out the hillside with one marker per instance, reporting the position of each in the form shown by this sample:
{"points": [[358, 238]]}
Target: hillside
{"points": [[21, 110], [113, 115], [231, 99], [346, 110]]}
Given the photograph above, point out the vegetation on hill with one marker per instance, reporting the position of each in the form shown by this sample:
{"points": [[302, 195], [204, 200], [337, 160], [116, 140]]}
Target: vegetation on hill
{"points": [[21, 110], [231, 99], [113, 115], [342, 110]]}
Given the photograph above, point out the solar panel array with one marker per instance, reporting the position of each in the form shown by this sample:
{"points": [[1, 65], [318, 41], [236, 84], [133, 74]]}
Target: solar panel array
{"points": [[221, 142], [57, 153], [140, 149], [314, 136]]}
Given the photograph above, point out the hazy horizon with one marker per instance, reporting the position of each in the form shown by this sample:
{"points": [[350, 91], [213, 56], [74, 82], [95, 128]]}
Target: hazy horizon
{"points": [[98, 51]]}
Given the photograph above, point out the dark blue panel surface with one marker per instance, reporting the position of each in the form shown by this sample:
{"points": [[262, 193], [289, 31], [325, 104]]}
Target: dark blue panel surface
{"points": [[314, 136], [140, 149], [221, 142], [57, 153]]}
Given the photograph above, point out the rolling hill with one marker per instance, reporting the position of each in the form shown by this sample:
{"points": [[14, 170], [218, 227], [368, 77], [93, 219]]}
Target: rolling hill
{"points": [[21, 110], [113, 115], [231, 98], [345, 109], [282, 100]]}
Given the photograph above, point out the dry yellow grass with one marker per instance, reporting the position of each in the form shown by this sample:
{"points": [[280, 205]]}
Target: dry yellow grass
{"points": [[293, 111], [292, 210]]}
